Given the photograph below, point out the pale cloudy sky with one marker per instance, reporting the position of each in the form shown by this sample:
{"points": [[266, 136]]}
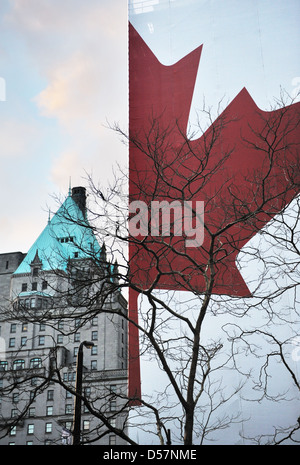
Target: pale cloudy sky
{"points": [[63, 73]]}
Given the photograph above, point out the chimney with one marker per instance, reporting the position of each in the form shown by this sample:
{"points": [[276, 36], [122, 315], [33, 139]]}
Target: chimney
{"points": [[79, 196]]}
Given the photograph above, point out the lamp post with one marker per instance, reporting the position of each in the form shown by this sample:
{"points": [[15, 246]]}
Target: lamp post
{"points": [[78, 389]]}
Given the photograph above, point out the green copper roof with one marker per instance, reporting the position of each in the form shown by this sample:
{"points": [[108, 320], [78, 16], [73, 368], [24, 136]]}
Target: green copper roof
{"points": [[67, 235]]}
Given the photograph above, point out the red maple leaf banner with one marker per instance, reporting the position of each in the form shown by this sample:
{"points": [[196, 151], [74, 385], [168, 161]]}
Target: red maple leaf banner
{"points": [[244, 169]]}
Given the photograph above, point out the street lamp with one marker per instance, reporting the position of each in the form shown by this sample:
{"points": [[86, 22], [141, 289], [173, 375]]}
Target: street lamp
{"points": [[78, 389]]}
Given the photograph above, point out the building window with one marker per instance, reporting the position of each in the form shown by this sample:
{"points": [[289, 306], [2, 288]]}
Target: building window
{"points": [[113, 422], [34, 286], [112, 440], [13, 328], [15, 397], [44, 285], [35, 272], [76, 337], [24, 327], [68, 409], [36, 363], [93, 364], [12, 342], [41, 340], [75, 351], [86, 425], [60, 338], [14, 412], [19, 364], [24, 287], [87, 391], [70, 376], [29, 443], [60, 325], [50, 395], [30, 429], [13, 431], [77, 322], [112, 405], [95, 321], [94, 335], [68, 425], [23, 341], [48, 428], [3, 365], [49, 411], [31, 412], [42, 326]]}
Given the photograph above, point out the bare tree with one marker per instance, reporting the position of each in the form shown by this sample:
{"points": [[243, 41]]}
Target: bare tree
{"points": [[195, 339], [240, 202]]}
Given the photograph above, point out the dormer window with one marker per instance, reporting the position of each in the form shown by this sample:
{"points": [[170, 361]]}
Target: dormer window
{"points": [[36, 265], [66, 239]]}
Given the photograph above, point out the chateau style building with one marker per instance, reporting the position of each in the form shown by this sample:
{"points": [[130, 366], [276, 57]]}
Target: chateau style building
{"points": [[60, 298]]}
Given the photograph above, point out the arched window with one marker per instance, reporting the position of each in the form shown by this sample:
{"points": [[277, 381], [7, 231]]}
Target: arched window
{"points": [[36, 362], [19, 364]]}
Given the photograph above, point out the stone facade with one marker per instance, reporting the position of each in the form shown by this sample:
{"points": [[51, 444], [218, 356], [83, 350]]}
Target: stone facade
{"points": [[9, 262]]}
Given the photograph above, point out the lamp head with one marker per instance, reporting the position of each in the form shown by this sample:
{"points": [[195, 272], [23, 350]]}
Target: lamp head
{"points": [[88, 344]]}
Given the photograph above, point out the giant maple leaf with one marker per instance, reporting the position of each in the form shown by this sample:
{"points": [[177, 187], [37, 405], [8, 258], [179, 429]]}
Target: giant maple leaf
{"points": [[244, 167]]}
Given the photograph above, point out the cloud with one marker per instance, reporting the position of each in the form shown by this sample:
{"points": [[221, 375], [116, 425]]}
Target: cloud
{"points": [[80, 49], [17, 138], [68, 62], [72, 91], [67, 165]]}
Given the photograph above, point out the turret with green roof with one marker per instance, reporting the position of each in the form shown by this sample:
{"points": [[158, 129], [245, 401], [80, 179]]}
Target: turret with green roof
{"points": [[68, 235]]}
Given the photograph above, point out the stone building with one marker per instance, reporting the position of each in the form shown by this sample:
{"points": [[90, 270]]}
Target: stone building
{"points": [[60, 294]]}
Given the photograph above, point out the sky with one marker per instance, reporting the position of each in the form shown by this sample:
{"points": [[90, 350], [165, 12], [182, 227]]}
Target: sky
{"points": [[63, 78], [249, 43]]}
